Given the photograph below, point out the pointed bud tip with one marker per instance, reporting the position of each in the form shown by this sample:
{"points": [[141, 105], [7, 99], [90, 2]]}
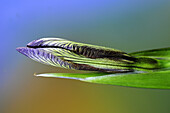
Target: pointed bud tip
{"points": [[19, 49], [22, 50]]}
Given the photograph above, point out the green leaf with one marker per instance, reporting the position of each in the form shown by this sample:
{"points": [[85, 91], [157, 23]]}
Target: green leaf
{"points": [[71, 75], [158, 53], [159, 79]]}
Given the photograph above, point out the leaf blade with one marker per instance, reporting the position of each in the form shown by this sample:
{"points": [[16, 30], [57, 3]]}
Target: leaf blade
{"points": [[158, 80]]}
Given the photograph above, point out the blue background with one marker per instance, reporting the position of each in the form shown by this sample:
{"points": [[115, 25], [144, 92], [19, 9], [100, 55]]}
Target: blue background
{"points": [[128, 25]]}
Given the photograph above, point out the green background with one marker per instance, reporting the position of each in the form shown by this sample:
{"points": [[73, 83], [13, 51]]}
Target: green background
{"points": [[128, 25]]}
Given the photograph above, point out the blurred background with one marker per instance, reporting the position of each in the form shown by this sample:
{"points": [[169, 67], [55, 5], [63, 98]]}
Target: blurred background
{"points": [[128, 25]]}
